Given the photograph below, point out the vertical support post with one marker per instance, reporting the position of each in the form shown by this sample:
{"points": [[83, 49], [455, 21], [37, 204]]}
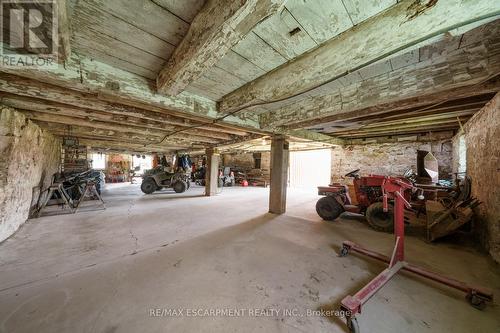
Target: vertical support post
{"points": [[279, 174], [212, 172]]}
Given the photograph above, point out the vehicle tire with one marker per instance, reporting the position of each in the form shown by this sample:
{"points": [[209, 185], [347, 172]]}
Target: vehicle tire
{"points": [[148, 186], [179, 186], [328, 208], [378, 219], [188, 183]]}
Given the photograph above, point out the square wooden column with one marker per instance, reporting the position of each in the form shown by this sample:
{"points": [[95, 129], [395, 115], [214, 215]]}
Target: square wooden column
{"points": [[279, 174], [211, 172]]}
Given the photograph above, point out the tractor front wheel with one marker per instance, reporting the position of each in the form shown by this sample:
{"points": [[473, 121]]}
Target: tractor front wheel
{"points": [[378, 219], [148, 186], [328, 208]]}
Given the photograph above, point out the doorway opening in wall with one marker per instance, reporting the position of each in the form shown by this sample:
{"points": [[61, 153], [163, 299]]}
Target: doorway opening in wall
{"points": [[462, 157], [98, 161], [140, 163], [310, 169]]}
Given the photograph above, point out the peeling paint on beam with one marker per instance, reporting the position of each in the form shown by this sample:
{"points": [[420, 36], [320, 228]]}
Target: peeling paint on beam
{"points": [[215, 30], [64, 32], [372, 40], [110, 84], [458, 74]]}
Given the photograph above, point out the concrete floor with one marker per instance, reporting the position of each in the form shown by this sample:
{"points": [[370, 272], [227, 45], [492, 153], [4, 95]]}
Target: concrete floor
{"points": [[105, 271]]}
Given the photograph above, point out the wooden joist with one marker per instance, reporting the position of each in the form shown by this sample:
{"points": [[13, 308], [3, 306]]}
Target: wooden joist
{"points": [[57, 110], [19, 92], [374, 39], [108, 84], [159, 135], [402, 105], [107, 135], [403, 132]]}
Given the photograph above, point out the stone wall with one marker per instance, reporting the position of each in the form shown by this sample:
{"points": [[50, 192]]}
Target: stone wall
{"points": [[246, 160], [29, 158], [391, 158], [241, 160], [482, 140]]}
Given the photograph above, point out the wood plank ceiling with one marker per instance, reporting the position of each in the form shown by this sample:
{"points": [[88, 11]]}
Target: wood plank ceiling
{"points": [[137, 38], [375, 100], [301, 26]]}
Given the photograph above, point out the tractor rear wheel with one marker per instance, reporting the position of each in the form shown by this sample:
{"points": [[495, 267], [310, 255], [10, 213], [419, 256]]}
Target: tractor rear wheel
{"points": [[378, 219], [328, 208], [148, 186], [179, 186]]}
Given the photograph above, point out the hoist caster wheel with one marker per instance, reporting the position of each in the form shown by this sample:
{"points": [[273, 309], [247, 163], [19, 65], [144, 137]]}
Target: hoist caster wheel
{"points": [[352, 325], [344, 251], [476, 301]]}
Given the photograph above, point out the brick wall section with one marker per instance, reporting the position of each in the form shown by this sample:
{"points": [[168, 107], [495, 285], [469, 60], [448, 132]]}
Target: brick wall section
{"points": [[389, 158], [29, 156], [482, 139]]}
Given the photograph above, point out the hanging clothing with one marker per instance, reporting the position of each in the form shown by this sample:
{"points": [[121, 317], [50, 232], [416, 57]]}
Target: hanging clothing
{"points": [[185, 162]]}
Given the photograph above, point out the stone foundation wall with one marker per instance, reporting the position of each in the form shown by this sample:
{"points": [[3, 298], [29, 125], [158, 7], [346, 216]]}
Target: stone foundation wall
{"points": [[482, 140], [29, 158], [389, 158], [246, 160]]}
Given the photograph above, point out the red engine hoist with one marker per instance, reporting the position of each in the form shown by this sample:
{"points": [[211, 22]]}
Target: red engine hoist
{"points": [[394, 188]]}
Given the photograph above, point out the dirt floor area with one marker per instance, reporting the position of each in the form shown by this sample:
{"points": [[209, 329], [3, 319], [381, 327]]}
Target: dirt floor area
{"points": [[167, 262]]}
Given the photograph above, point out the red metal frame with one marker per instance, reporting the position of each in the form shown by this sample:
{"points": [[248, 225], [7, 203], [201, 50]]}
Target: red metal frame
{"points": [[394, 188]]}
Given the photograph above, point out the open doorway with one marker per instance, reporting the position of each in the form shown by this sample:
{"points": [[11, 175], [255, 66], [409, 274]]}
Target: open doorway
{"points": [[140, 163], [462, 157], [310, 169]]}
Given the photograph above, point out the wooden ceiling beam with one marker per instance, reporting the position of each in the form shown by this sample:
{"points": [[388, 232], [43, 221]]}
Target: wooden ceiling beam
{"points": [[124, 128], [429, 118], [424, 100], [423, 126], [106, 83], [218, 27], [109, 142], [105, 138], [398, 132], [81, 114], [20, 91], [122, 147], [400, 27], [97, 133], [425, 111]]}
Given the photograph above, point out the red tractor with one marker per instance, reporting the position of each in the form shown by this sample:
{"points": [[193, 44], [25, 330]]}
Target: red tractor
{"points": [[368, 199], [441, 209]]}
